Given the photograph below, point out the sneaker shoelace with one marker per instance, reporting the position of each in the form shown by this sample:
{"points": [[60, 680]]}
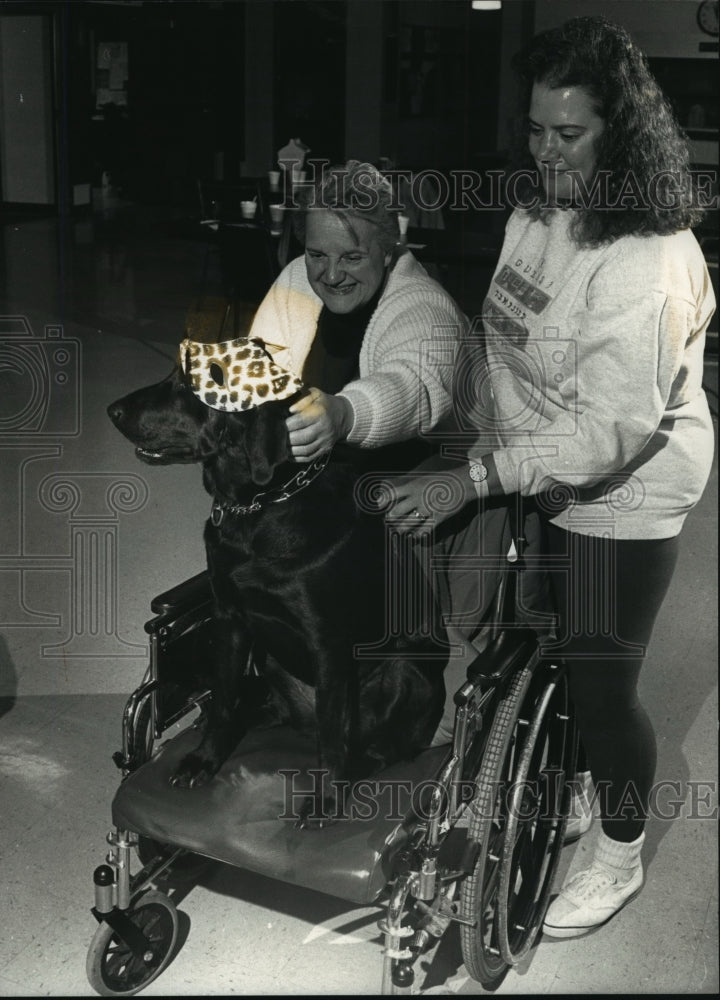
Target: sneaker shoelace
{"points": [[589, 883]]}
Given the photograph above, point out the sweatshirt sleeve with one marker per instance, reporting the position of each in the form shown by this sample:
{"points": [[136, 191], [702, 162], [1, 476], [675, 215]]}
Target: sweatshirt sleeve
{"points": [[631, 334], [407, 389]]}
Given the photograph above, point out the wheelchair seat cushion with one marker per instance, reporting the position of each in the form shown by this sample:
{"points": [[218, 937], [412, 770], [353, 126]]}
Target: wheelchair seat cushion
{"points": [[246, 815]]}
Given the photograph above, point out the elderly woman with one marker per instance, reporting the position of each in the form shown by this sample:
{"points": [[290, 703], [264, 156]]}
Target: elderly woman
{"points": [[594, 328], [360, 320]]}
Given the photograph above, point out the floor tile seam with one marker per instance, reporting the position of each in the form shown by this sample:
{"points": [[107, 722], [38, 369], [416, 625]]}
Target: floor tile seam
{"points": [[706, 917], [699, 954], [697, 988]]}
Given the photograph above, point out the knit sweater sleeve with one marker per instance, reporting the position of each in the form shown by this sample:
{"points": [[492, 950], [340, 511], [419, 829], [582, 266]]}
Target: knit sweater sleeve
{"points": [[631, 334], [407, 357], [286, 318], [406, 368]]}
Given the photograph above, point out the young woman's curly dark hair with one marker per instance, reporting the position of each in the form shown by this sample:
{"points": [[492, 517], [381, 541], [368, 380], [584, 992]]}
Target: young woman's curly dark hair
{"points": [[642, 155]]}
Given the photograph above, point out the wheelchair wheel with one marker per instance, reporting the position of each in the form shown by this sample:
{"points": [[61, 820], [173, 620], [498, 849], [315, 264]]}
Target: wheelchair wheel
{"points": [[515, 818], [142, 737], [112, 968], [536, 819], [479, 891]]}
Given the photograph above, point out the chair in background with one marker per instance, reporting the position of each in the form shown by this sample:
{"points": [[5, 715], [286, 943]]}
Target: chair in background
{"points": [[248, 267], [421, 199], [221, 200], [246, 253], [289, 246], [207, 225]]}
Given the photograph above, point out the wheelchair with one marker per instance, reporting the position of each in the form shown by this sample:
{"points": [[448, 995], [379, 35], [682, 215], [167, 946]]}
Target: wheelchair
{"points": [[467, 833]]}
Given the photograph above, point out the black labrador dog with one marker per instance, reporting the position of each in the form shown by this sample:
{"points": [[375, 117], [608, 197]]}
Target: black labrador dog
{"points": [[298, 574]]}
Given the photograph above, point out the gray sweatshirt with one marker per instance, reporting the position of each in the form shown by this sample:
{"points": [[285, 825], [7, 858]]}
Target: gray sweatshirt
{"points": [[594, 366]]}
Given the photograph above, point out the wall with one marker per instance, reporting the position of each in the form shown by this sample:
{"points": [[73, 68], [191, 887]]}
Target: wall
{"points": [[259, 78], [662, 28], [310, 73], [475, 87], [294, 65], [517, 29], [364, 80], [441, 68], [26, 140]]}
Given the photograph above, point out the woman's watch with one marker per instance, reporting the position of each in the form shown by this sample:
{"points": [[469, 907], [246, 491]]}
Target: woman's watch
{"points": [[478, 472]]}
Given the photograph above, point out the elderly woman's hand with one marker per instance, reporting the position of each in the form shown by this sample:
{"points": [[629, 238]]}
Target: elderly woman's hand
{"points": [[318, 420]]}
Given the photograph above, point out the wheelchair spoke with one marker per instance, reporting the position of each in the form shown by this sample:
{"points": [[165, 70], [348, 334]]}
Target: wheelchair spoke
{"points": [[112, 966], [531, 851]]}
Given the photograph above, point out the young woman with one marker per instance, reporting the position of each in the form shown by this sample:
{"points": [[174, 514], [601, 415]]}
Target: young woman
{"points": [[594, 329]]}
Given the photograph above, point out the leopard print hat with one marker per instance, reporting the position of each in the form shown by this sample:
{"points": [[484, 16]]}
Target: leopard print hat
{"points": [[235, 375]]}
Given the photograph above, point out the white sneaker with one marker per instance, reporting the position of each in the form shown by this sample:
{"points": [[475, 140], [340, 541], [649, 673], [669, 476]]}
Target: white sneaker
{"points": [[590, 899]]}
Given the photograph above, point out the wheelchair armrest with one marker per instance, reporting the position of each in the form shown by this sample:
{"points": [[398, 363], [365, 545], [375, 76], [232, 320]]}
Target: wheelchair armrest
{"points": [[186, 595], [510, 651], [181, 608]]}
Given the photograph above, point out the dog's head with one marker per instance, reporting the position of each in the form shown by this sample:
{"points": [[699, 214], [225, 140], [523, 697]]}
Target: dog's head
{"points": [[165, 421], [168, 424]]}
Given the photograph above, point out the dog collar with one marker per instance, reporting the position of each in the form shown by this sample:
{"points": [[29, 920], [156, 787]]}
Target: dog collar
{"points": [[298, 482], [235, 375]]}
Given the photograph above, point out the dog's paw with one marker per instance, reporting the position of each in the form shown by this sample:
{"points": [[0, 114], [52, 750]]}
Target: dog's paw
{"points": [[193, 772]]}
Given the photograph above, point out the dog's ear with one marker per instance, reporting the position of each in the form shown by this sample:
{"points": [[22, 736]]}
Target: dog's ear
{"points": [[213, 432], [266, 440]]}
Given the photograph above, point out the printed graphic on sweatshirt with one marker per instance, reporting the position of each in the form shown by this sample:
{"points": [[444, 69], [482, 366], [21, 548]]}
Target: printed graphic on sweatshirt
{"points": [[511, 297], [529, 295]]}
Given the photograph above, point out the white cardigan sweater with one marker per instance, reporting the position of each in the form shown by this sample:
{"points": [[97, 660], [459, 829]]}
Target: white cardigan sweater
{"points": [[407, 355]]}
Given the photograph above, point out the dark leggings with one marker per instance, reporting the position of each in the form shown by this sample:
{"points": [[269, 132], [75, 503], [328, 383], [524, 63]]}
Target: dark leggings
{"points": [[607, 594]]}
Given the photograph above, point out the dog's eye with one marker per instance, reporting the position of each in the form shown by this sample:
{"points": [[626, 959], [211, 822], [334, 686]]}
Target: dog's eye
{"points": [[217, 373]]}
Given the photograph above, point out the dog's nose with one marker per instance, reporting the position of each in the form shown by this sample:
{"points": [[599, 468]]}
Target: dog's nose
{"points": [[116, 412]]}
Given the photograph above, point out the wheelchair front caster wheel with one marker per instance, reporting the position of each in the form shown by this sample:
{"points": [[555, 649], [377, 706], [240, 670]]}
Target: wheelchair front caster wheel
{"points": [[113, 968]]}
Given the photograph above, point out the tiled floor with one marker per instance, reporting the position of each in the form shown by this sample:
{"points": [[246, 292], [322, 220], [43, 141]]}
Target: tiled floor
{"points": [[77, 508]]}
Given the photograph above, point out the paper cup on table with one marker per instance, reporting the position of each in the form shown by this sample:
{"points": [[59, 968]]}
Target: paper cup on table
{"points": [[274, 178], [298, 175], [248, 209], [276, 218]]}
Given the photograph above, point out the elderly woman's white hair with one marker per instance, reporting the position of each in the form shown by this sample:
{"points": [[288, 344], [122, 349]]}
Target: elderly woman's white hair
{"points": [[353, 190]]}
